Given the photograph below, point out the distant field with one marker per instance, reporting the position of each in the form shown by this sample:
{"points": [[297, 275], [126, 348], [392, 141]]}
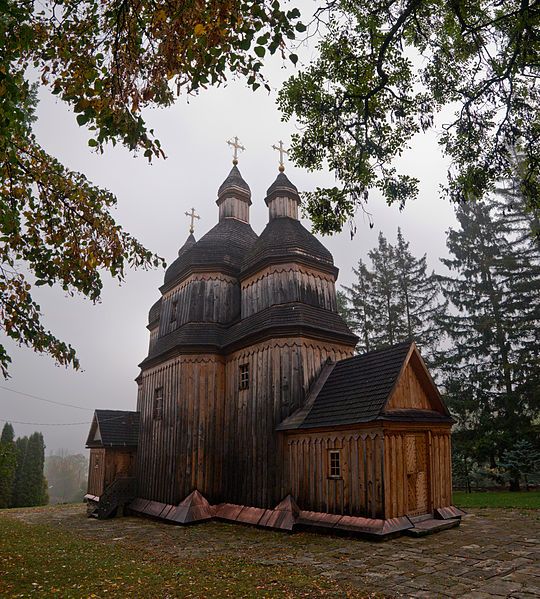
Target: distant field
{"points": [[502, 499]]}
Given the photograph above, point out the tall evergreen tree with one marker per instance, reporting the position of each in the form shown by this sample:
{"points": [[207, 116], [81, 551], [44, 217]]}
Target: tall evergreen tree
{"points": [[35, 463], [20, 491], [358, 311], [420, 296], [396, 300], [8, 463], [489, 292], [386, 302]]}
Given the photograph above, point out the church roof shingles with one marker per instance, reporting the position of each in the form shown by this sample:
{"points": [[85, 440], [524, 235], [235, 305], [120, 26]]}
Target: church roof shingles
{"points": [[118, 428], [286, 239], [222, 248], [356, 391]]}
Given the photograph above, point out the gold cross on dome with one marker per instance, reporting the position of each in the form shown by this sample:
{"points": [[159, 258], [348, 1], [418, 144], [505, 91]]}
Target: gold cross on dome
{"points": [[193, 216], [282, 152], [234, 143]]}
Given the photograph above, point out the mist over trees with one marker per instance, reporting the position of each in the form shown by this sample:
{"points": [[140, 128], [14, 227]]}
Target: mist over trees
{"points": [[66, 476], [22, 482], [478, 327]]}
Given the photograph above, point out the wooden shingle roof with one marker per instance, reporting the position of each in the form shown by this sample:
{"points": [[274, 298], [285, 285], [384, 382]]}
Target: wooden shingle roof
{"points": [[355, 390], [287, 240], [221, 249], [114, 428]]}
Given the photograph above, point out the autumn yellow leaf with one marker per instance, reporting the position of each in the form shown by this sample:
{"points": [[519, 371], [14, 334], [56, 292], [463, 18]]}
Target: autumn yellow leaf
{"points": [[199, 29]]}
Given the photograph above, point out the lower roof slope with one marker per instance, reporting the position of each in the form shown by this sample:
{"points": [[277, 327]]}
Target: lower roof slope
{"points": [[356, 390], [117, 428]]}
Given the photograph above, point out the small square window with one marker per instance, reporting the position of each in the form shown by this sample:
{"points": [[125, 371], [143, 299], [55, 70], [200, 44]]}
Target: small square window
{"points": [[157, 412], [244, 376], [335, 463], [174, 307]]}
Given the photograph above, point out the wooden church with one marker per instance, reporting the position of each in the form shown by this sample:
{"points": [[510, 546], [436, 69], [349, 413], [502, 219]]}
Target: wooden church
{"points": [[252, 406]]}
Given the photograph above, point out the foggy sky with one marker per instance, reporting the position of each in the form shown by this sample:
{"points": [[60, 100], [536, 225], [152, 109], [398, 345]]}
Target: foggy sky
{"points": [[111, 337]]}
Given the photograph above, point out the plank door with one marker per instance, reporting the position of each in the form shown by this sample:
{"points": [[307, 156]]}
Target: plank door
{"points": [[416, 462]]}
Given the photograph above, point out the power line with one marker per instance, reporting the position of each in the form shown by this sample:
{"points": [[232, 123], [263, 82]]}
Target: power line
{"points": [[46, 423], [58, 403], [60, 423]]}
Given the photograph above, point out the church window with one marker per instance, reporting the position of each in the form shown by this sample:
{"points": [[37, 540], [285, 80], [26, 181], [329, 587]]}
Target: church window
{"points": [[244, 376], [335, 463], [174, 307], [158, 404]]}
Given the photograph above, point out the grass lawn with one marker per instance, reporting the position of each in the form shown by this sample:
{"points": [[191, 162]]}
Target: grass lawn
{"points": [[504, 499], [42, 561]]}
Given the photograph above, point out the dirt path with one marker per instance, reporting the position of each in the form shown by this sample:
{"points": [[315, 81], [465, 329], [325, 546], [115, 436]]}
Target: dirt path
{"points": [[495, 553]]}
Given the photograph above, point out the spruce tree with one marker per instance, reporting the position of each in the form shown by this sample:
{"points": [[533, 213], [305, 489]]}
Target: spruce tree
{"points": [[358, 312], [420, 298], [396, 300], [489, 292], [388, 324], [7, 465]]}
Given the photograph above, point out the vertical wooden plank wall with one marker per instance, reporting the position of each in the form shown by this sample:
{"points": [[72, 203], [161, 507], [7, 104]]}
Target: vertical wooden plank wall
{"points": [[96, 472], [288, 283], [280, 374], [182, 450], [442, 469], [359, 490], [201, 297]]}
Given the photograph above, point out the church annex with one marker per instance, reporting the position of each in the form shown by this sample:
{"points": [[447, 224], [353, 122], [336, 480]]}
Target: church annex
{"points": [[252, 406]]}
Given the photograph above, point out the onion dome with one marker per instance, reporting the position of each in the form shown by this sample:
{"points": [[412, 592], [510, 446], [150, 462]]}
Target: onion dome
{"points": [[285, 239], [282, 198], [234, 197]]}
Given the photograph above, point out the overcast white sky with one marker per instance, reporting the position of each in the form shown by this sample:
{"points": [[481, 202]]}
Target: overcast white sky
{"points": [[111, 338]]}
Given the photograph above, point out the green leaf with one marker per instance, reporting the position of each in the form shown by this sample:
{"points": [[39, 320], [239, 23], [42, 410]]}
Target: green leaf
{"points": [[293, 58], [82, 119], [92, 143], [260, 51]]}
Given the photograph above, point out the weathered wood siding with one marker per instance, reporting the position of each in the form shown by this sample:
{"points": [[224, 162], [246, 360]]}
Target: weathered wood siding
{"points": [[409, 393], [441, 464], [283, 206], [232, 207], [106, 464], [201, 297], [417, 469], [358, 492], [219, 439], [96, 472], [288, 283], [182, 451]]}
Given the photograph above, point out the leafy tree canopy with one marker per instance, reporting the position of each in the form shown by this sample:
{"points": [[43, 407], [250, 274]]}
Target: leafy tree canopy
{"points": [[385, 68], [107, 60]]}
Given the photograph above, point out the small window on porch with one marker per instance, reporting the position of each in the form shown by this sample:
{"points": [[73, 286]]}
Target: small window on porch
{"points": [[157, 411], [334, 463], [244, 376]]}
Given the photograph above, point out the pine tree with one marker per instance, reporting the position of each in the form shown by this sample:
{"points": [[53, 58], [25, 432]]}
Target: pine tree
{"points": [[489, 292], [7, 465]]}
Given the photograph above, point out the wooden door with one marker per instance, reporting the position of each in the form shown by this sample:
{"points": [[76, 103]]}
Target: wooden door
{"points": [[417, 472]]}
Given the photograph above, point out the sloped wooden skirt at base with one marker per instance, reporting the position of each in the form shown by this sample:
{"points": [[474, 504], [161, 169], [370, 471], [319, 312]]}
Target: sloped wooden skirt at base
{"points": [[285, 516]]}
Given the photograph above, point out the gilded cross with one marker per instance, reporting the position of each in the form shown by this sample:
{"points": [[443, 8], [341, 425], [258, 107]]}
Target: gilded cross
{"points": [[193, 216], [234, 143], [282, 152]]}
